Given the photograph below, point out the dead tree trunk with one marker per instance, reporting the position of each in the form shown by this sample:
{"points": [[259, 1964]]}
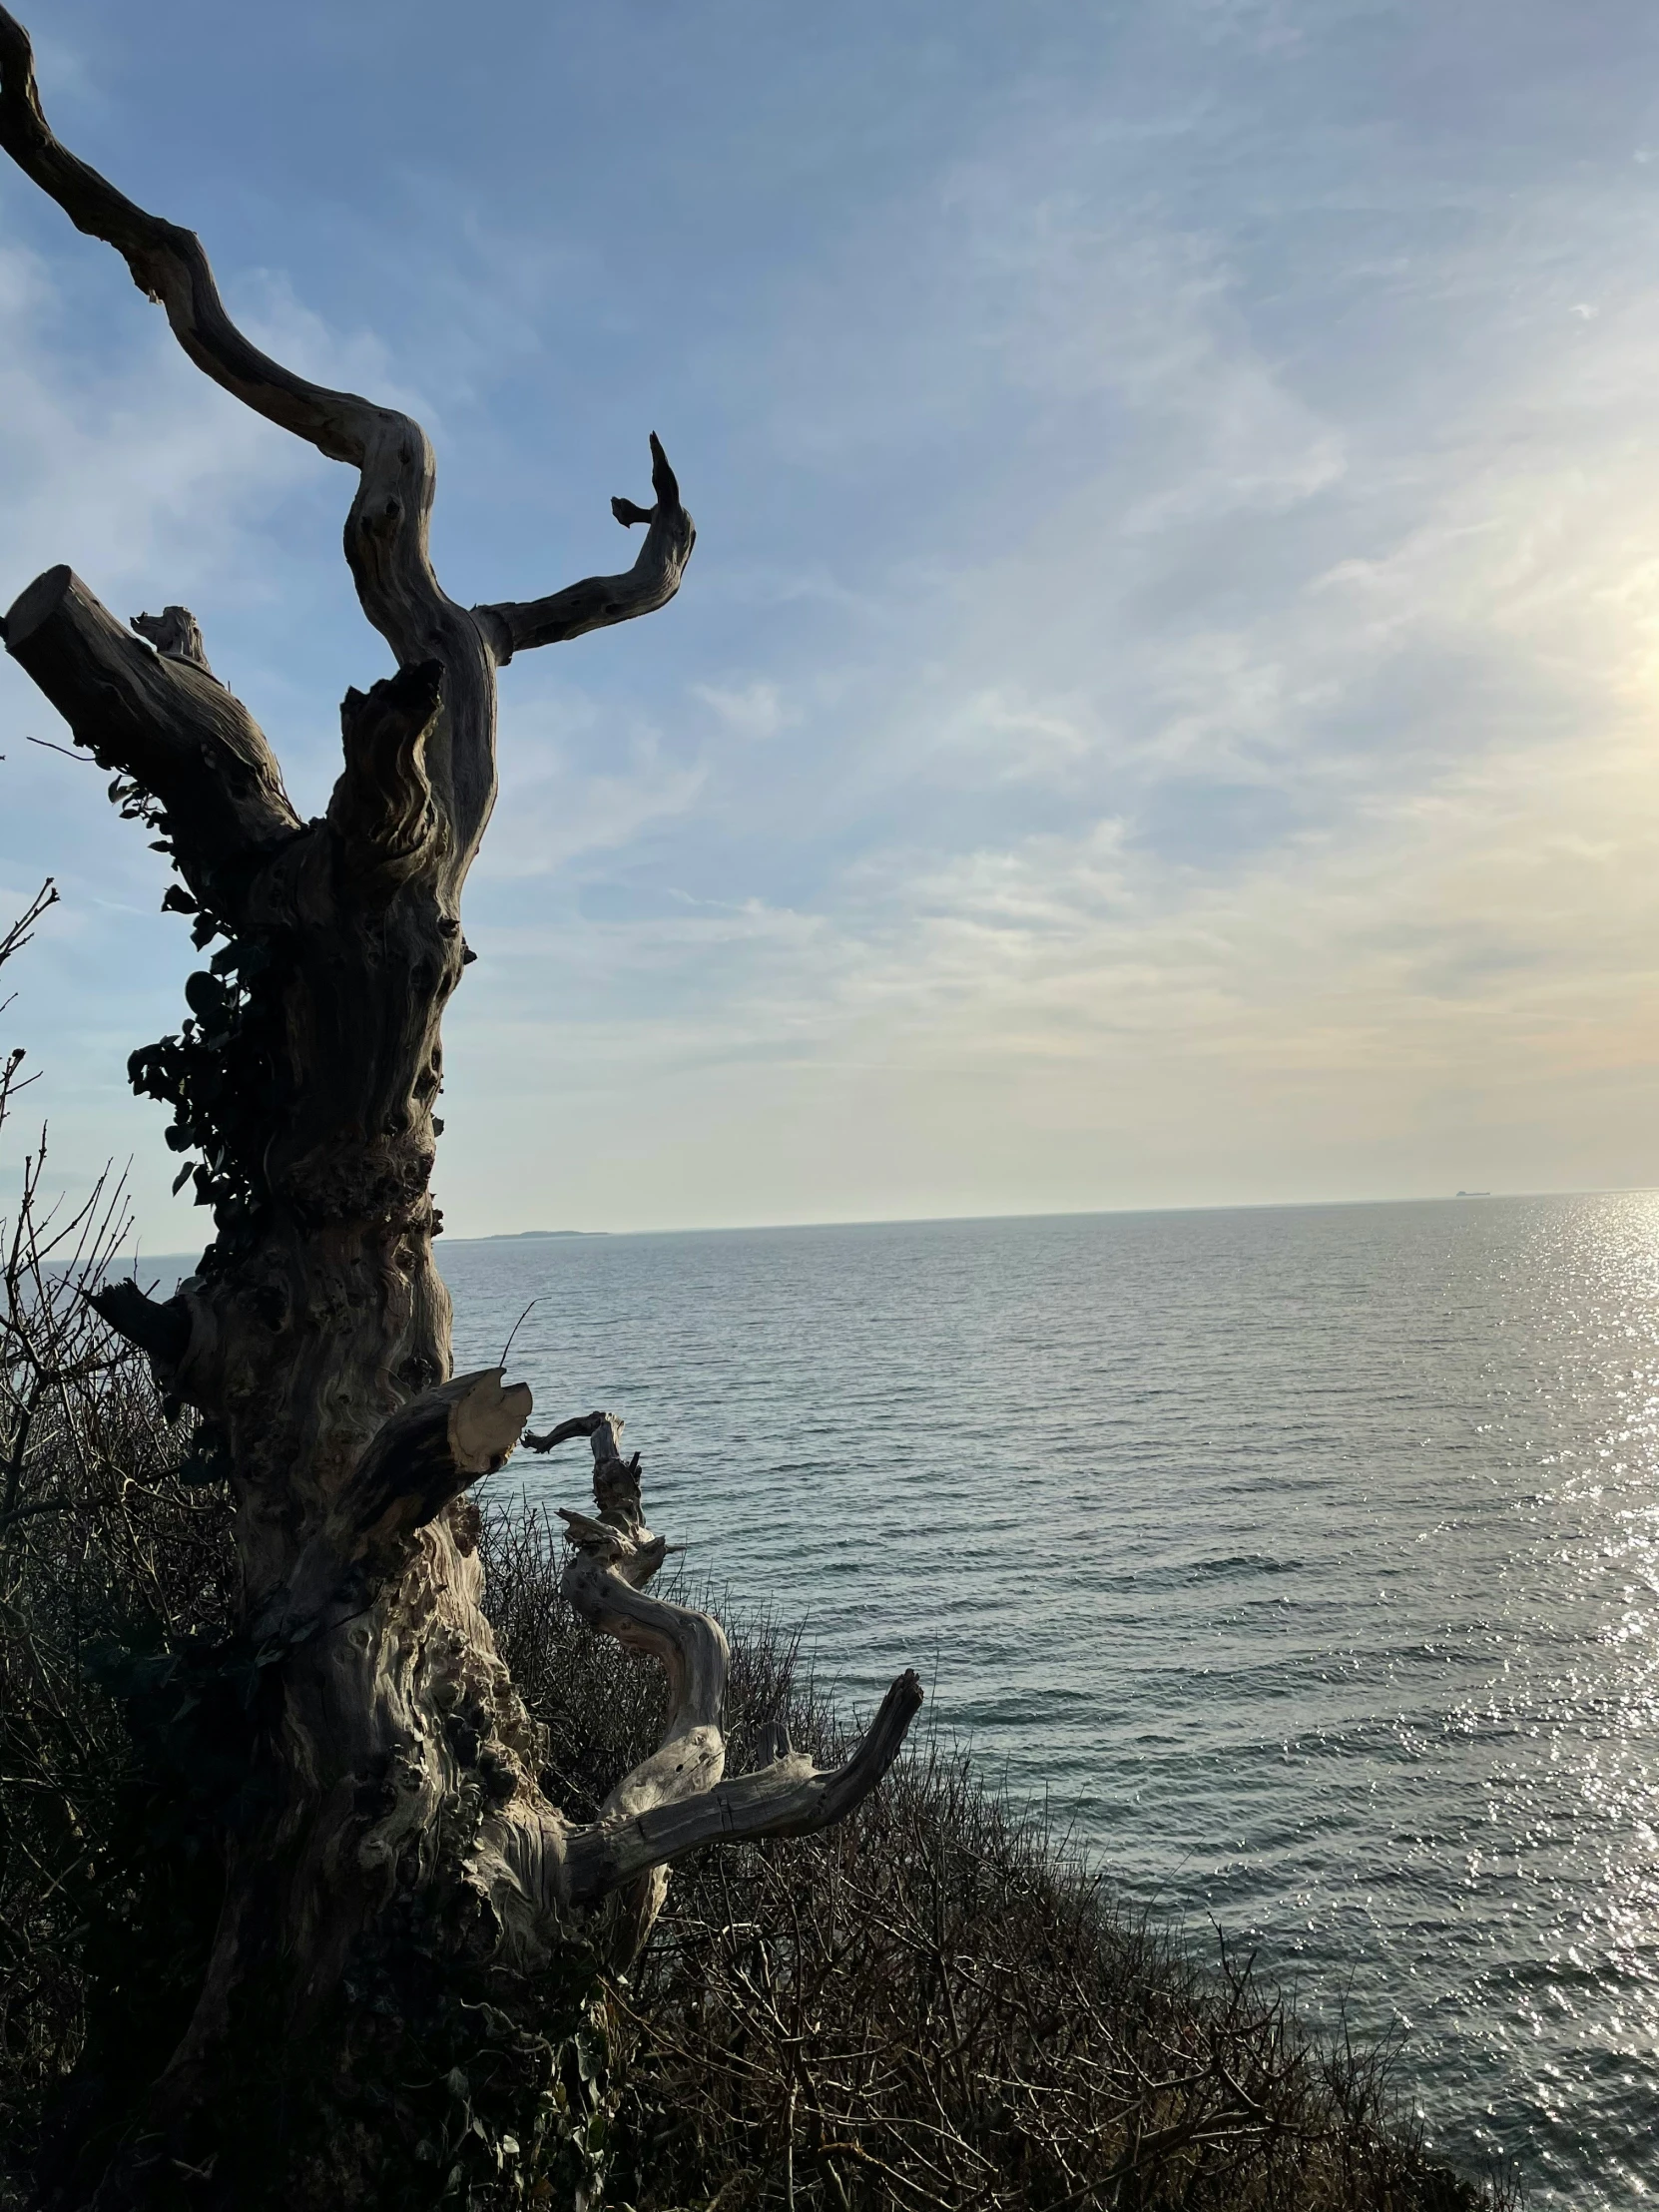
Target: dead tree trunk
{"points": [[399, 1799]]}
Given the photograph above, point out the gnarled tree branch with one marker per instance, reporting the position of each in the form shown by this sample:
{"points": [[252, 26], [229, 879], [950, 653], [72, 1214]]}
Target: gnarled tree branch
{"points": [[386, 543], [386, 529], [790, 1797], [168, 265], [675, 1799], [514, 626], [161, 719]]}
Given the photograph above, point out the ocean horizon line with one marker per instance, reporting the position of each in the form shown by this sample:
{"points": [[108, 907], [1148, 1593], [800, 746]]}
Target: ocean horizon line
{"points": [[945, 1220]]}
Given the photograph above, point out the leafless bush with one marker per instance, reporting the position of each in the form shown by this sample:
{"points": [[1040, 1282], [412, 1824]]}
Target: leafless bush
{"points": [[100, 1543], [935, 2004]]}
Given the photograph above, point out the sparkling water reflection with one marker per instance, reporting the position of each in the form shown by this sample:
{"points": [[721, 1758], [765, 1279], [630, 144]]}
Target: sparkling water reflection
{"points": [[1308, 1559]]}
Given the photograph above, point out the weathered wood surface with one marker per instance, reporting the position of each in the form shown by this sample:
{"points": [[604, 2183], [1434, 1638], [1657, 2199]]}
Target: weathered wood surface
{"points": [[676, 1798], [161, 719], [315, 1337]]}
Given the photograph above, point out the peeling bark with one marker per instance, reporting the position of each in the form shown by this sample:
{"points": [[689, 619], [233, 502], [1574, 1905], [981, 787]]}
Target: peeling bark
{"points": [[397, 1767]]}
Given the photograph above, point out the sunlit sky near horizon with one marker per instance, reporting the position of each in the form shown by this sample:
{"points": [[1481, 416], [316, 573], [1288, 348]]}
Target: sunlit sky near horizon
{"points": [[1165, 707]]}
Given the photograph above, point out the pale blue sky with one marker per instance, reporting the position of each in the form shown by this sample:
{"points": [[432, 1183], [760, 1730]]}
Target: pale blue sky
{"points": [[1164, 706]]}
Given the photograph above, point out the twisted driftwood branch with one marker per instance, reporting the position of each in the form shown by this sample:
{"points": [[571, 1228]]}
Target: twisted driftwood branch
{"points": [[675, 1799], [600, 600]]}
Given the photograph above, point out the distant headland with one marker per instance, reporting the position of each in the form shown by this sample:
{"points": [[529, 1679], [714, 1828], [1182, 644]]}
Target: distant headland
{"points": [[514, 1236]]}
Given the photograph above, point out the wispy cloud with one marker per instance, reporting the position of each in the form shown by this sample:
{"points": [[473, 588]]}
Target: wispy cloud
{"points": [[573, 785], [752, 710], [135, 470]]}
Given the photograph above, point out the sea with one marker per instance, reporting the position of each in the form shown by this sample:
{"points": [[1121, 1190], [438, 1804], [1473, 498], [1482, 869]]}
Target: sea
{"points": [[1302, 1562]]}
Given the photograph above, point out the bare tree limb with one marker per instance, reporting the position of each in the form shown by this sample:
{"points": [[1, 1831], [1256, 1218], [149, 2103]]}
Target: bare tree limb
{"points": [[162, 1330], [675, 1799], [161, 719], [514, 626], [386, 542], [790, 1797], [168, 265], [583, 1425], [386, 529], [16, 934]]}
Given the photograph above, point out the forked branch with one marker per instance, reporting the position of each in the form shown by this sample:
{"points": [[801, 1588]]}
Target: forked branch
{"points": [[515, 625], [15, 934], [675, 1799], [386, 531]]}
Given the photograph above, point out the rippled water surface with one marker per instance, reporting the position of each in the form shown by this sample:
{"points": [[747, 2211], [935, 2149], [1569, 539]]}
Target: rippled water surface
{"points": [[1308, 1560]]}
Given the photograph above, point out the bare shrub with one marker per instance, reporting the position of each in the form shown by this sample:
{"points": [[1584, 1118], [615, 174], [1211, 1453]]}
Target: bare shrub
{"points": [[107, 1556]]}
